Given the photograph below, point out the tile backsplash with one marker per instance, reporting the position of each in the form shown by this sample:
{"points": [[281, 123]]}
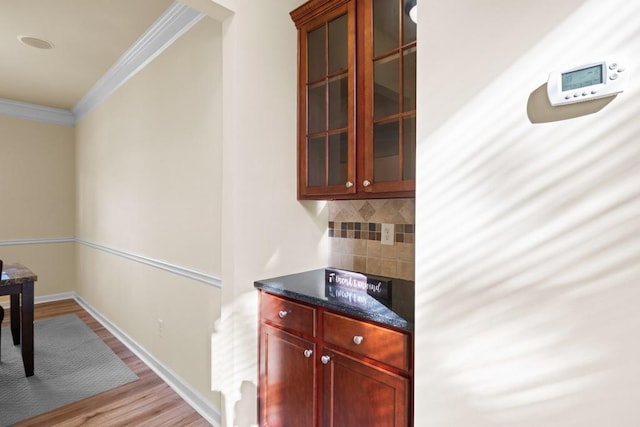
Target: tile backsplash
{"points": [[355, 236]]}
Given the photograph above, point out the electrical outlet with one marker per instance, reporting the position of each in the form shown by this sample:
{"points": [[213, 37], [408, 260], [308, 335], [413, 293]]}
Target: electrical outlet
{"points": [[388, 231], [160, 327]]}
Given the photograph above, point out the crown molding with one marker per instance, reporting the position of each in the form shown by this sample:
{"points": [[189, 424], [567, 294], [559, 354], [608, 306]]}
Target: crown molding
{"points": [[172, 24], [175, 21], [38, 113]]}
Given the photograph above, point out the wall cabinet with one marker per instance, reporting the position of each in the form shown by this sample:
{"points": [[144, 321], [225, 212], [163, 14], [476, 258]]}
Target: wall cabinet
{"points": [[320, 368], [356, 99]]}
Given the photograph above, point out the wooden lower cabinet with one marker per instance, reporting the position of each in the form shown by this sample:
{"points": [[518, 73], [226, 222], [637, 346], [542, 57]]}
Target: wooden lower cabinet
{"points": [[358, 394], [287, 380], [309, 379]]}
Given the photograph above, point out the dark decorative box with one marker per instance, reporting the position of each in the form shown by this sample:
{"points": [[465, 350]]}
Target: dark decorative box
{"points": [[356, 289]]}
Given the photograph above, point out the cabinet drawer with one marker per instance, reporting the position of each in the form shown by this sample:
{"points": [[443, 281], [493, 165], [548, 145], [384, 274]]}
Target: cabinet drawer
{"points": [[288, 314], [376, 342]]}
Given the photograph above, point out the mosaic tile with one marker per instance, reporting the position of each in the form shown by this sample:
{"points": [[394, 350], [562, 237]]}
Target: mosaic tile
{"points": [[355, 231]]}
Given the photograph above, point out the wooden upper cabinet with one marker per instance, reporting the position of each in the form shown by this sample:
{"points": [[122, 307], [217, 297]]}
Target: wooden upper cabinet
{"points": [[356, 99], [326, 91]]}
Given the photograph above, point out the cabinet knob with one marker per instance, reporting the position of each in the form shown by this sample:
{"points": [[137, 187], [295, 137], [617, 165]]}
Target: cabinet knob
{"points": [[282, 313], [349, 184], [308, 353], [357, 340], [366, 183], [325, 359]]}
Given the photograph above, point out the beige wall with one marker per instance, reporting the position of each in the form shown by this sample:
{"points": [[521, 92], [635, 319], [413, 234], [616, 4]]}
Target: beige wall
{"points": [[528, 219], [164, 173], [38, 192], [149, 184]]}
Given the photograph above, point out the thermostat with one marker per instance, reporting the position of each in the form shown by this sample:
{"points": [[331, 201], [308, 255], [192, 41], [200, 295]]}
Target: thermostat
{"points": [[589, 81]]}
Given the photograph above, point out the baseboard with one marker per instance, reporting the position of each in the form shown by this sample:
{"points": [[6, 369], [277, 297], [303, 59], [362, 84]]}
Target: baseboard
{"points": [[48, 298], [191, 396]]}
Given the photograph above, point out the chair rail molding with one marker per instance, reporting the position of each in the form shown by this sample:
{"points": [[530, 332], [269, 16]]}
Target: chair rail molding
{"points": [[37, 241], [157, 263], [190, 273]]}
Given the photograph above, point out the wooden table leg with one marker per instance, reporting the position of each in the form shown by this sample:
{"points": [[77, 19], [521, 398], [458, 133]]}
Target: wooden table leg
{"points": [[15, 318], [27, 327], [1, 319]]}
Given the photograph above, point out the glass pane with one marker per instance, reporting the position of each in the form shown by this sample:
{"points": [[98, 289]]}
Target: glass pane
{"points": [[408, 29], [409, 80], [338, 102], [338, 44], [316, 162], [338, 156], [316, 104], [386, 151], [386, 98], [316, 54], [385, 26], [409, 148]]}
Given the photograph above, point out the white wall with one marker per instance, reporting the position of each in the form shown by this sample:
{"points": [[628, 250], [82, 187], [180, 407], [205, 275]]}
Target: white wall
{"points": [[527, 219], [149, 180]]}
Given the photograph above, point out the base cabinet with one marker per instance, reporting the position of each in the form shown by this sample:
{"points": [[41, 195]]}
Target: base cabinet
{"points": [[288, 379], [359, 394], [308, 378]]}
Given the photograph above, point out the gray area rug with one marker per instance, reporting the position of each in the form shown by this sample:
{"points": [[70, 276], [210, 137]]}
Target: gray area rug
{"points": [[71, 363]]}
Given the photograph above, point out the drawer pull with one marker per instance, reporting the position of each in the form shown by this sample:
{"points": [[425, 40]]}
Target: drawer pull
{"points": [[357, 340], [325, 359], [308, 353], [282, 313]]}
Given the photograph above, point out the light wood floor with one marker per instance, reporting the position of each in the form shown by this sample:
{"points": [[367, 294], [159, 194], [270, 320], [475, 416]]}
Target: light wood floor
{"points": [[148, 401]]}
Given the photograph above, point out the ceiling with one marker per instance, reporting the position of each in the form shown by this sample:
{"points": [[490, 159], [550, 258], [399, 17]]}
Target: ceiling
{"points": [[88, 36]]}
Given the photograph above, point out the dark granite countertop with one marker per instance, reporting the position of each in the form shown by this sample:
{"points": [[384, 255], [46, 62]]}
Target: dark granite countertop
{"points": [[309, 286], [15, 274]]}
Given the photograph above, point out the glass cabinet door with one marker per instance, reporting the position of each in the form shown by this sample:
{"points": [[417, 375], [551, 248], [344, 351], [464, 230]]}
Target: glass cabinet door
{"points": [[389, 130], [356, 99], [327, 110]]}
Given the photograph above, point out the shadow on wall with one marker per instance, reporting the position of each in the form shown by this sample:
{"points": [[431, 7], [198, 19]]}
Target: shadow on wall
{"points": [[540, 110], [528, 247]]}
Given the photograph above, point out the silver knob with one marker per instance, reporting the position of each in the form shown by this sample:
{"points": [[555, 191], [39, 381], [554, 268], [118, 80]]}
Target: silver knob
{"points": [[349, 184], [325, 359], [366, 183], [282, 313], [308, 353], [357, 340]]}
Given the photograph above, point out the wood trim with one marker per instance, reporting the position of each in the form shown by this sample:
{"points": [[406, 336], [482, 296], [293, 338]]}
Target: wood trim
{"points": [[312, 9]]}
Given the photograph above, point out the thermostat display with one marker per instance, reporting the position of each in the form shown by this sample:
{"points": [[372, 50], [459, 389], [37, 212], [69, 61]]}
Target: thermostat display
{"points": [[583, 77], [586, 82]]}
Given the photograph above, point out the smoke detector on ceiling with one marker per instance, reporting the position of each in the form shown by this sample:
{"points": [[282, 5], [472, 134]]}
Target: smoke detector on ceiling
{"points": [[36, 42]]}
